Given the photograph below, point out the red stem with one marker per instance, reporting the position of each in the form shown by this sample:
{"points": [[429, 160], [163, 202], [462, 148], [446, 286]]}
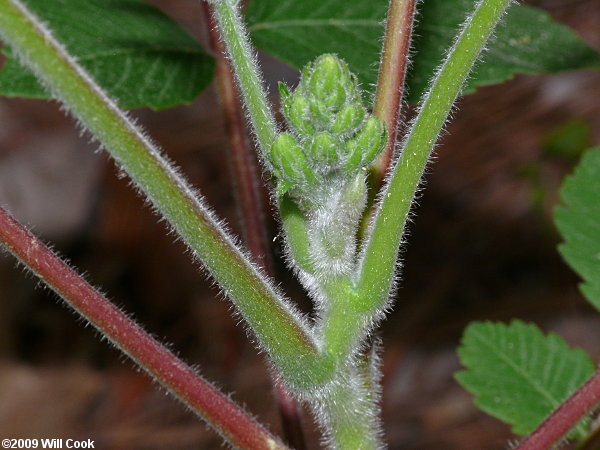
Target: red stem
{"points": [[564, 417], [251, 206], [392, 73], [233, 423]]}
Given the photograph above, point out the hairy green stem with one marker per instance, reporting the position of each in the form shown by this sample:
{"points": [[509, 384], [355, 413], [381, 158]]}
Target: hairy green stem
{"points": [[246, 179], [227, 418], [348, 413], [251, 206], [243, 59], [296, 234], [377, 268], [285, 336]]}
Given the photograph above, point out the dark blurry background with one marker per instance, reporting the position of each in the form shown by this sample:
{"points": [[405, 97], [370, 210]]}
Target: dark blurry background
{"points": [[482, 246]]}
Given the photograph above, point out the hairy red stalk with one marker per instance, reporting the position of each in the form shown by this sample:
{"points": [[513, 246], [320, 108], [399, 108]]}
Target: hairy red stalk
{"points": [[392, 73], [227, 418], [564, 417], [250, 201]]}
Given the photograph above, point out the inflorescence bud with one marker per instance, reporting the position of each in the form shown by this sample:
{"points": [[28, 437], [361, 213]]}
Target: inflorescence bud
{"points": [[333, 135], [290, 164], [366, 145], [296, 110], [323, 148], [348, 119], [329, 81]]}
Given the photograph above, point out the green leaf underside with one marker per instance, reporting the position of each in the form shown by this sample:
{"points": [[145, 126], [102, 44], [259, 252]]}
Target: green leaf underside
{"points": [[579, 223], [134, 51], [518, 374], [526, 41]]}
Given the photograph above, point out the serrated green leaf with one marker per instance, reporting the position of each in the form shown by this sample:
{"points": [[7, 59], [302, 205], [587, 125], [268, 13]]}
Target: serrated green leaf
{"points": [[579, 223], [526, 42], [298, 31], [518, 374], [134, 51]]}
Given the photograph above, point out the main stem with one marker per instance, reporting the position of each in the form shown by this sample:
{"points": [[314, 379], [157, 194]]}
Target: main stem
{"points": [[349, 413]]}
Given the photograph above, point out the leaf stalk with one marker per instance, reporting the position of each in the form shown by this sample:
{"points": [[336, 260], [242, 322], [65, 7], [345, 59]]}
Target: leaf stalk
{"points": [[564, 417], [251, 205], [392, 74], [235, 37]]}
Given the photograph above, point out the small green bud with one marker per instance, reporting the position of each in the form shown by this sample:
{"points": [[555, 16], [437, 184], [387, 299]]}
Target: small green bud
{"points": [[286, 154], [354, 159], [367, 144], [335, 97], [375, 128], [289, 161], [296, 110], [327, 99], [323, 149], [320, 114], [326, 73], [348, 119], [328, 81]]}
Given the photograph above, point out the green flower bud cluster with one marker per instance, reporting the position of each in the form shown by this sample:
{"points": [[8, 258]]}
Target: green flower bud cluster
{"points": [[331, 132]]}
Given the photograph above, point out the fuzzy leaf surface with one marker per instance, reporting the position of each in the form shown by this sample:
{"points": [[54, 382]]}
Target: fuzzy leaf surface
{"points": [[134, 51], [519, 375], [579, 223], [526, 41]]}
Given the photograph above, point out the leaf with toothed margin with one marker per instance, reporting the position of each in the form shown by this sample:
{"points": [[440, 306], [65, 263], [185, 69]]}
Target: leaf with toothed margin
{"points": [[519, 375], [579, 223], [133, 50], [526, 41]]}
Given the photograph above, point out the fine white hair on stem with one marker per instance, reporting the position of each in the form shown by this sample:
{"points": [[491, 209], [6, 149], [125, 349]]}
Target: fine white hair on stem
{"points": [[244, 62]]}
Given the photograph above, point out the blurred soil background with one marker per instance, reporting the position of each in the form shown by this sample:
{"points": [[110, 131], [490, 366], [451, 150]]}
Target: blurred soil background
{"points": [[482, 246]]}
